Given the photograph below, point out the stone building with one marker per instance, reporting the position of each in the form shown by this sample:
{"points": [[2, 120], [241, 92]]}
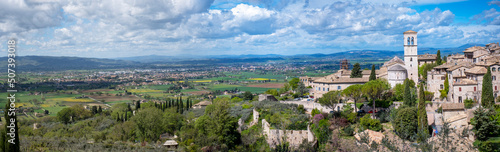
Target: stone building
{"points": [[465, 74], [395, 71]]}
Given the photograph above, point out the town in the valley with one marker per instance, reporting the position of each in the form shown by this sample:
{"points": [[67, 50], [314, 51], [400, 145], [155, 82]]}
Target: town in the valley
{"points": [[414, 102]]}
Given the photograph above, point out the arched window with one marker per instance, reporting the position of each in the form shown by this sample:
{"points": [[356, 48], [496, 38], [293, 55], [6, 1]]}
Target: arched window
{"points": [[408, 43], [493, 69], [412, 42], [411, 59]]}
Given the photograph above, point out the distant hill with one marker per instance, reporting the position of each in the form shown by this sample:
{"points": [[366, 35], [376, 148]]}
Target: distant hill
{"points": [[50, 63]]}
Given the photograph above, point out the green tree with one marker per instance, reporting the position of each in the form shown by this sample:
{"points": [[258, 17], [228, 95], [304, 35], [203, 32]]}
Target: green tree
{"points": [[330, 99], [408, 96], [422, 115], [356, 71], [172, 121], [217, 126], [398, 92], [148, 126], [487, 99], [353, 92], [137, 104], [374, 90], [485, 124], [444, 92], [301, 89], [248, 95], [373, 75], [438, 58], [404, 123], [294, 83]]}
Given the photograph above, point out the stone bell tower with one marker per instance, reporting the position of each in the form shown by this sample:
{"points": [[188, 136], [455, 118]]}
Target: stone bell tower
{"points": [[411, 54]]}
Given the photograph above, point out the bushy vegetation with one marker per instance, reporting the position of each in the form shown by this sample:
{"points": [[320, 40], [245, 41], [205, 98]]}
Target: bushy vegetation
{"points": [[368, 123], [404, 122]]}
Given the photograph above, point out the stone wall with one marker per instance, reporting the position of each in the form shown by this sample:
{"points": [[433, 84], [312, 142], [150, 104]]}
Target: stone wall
{"points": [[293, 137]]}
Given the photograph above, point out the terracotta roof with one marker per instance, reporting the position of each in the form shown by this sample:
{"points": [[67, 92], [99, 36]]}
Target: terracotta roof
{"points": [[393, 61], [458, 56], [363, 72], [203, 103], [342, 80], [427, 57], [170, 143], [453, 106], [477, 70], [410, 32], [457, 65], [480, 55], [465, 82], [473, 49], [397, 68]]}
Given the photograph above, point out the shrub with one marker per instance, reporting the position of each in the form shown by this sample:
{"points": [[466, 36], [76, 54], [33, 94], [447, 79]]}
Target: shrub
{"points": [[301, 109], [348, 131], [468, 103], [493, 144], [317, 118], [315, 111], [405, 123], [381, 103], [369, 123]]}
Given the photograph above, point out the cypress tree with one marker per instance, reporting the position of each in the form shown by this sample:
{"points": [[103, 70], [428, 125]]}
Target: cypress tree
{"points": [[181, 106], [356, 71], [128, 107], [126, 117], [407, 94], [168, 103], [373, 75], [137, 105], [422, 115], [177, 105], [438, 58], [100, 109], [487, 99]]}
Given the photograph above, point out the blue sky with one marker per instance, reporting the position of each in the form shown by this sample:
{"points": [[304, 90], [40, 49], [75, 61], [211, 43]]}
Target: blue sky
{"points": [[122, 28]]}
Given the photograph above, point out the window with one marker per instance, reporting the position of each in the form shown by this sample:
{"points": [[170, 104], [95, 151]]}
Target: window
{"points": [[327, 89], [339, 87], [460, 99], [411, 59], [323, 89], [441, 87], [474, 88], [493, 77], [493, 69], [412, 42], [408, 41], [460, 89]]}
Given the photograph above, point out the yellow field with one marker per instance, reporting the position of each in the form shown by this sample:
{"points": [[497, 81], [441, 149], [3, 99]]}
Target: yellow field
{"points": [[199, 81], [72, 99], [261, 79], [45, 105], [143, 90], [23, 104]]}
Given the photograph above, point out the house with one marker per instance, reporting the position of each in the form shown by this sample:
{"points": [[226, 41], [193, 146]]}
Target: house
{"points": [[201, 104], [267, 97], [171, 144]]}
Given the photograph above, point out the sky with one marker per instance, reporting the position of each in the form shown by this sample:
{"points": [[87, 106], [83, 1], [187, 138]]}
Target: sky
{"points": [[124, 28]]}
